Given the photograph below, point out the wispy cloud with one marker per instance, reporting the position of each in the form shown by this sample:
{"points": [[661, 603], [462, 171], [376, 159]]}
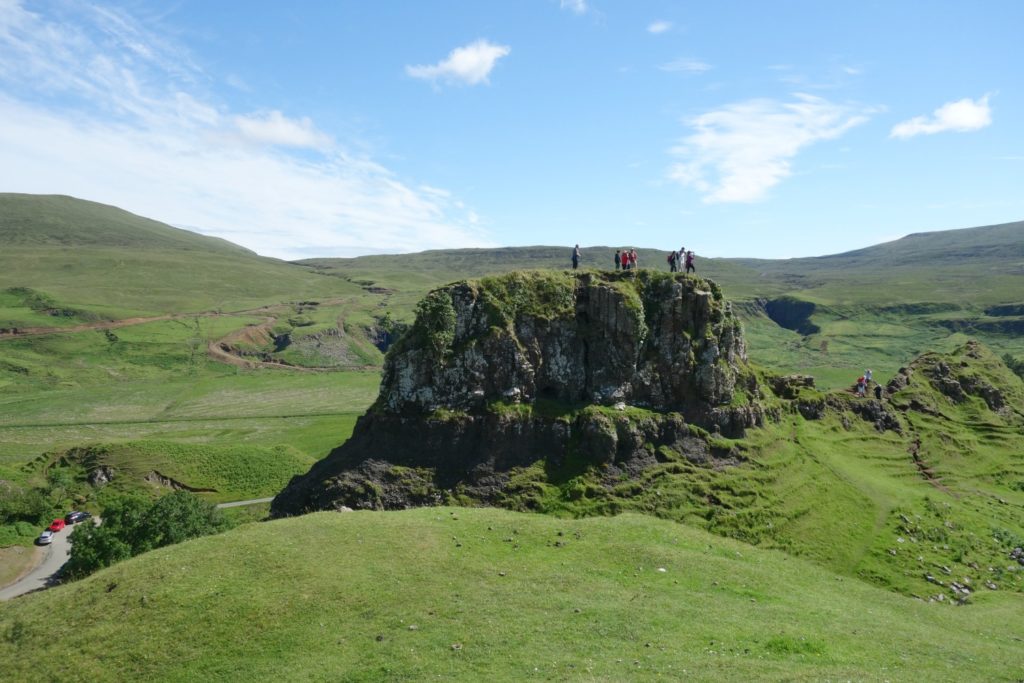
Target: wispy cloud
{"points": [[274, 128], [96, 106], [693, 66], [961, 116], [576, 6], [740, 151], [470, 64], [659, 26]]}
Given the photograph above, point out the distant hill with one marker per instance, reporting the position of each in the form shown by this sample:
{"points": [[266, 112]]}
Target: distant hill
{"points": [[99, 261], [830, 316], [875, 307], [61, 221], [971, 265]]}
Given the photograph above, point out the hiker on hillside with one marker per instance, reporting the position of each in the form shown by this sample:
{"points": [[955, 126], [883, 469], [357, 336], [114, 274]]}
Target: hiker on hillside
{"points": [[689, 263], [878, 391], [861, 386], [618, 260], [867, 375], [672, 261], [576, 257], [632, 259]]}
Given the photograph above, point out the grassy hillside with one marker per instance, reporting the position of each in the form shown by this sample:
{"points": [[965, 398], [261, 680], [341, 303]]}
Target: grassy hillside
{"points": [[490, 595], [89, 258]]}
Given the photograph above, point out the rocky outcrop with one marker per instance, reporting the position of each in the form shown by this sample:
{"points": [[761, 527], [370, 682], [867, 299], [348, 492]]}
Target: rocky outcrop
{"points": [[588, 370], [659, 342]]}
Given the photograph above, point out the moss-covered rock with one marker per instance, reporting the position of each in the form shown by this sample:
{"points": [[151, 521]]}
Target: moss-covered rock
{"points": [[575, 371]]}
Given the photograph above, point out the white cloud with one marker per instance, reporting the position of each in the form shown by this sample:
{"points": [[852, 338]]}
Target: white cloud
{"points": [[693, 66], [659, 26], [84, 114], [961, 116], [577, 6], [738, 152], [470, 64], [274, 128]]}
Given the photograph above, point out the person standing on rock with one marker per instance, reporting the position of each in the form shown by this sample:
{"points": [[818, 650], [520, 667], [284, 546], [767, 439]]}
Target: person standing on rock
{"points": [[689, 263], [878, 391], [576, 257], [618, 260], [632, 259], [673, 260]]}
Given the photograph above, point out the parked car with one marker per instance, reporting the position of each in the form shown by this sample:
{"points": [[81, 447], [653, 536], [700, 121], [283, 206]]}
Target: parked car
{"points": [[76, 516], [58, 525], [45, 538]]}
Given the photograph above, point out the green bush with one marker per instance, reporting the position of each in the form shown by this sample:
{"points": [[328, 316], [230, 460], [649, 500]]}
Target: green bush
{"points": [[134, 525]]}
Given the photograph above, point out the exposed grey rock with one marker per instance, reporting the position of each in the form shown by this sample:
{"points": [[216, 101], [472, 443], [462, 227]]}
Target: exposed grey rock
{"points": [[459, 401]]}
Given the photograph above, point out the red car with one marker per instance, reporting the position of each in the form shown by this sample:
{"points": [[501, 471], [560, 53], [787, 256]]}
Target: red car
{"points": [[58, 525]]}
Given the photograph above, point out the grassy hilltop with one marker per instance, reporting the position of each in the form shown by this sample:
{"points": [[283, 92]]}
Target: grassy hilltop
{"points": [[479, 594]]}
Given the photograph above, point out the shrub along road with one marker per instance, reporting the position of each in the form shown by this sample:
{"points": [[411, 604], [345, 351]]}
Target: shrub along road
{"points": [[57, 553]]}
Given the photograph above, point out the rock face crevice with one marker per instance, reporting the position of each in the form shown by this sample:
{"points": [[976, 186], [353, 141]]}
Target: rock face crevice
{"points": [[504, 372]]}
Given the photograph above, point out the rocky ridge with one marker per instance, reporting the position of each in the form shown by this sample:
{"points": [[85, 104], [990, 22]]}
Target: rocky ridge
{"points": [[592, 369]]}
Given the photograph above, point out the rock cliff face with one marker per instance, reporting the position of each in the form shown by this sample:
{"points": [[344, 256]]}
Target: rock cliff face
{"points": [[498, 374]]}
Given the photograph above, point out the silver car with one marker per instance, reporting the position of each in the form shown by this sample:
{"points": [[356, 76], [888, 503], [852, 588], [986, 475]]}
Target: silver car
{"points": [[45, 538]]}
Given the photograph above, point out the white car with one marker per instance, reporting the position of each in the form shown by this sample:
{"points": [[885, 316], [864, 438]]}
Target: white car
{"points": [[45, 538]]}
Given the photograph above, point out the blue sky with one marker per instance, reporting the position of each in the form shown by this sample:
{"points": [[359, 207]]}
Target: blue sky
{"points": [[340, 128]]}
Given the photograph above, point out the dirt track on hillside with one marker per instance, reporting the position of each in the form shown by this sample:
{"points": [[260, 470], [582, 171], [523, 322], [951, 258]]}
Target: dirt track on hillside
{"points": [[8, 333], [222, 350]]}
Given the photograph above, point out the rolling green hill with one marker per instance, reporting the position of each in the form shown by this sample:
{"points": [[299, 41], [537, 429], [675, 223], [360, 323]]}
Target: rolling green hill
{"points": [[61, 221], [477, 594], [89, 261]]}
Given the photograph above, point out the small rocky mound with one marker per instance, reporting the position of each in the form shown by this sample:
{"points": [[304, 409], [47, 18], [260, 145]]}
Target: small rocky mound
{"points": [[586, 369], [971, 372]]}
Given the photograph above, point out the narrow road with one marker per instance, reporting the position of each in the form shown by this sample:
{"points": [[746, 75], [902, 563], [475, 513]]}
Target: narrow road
{"points": [[54, 557], [240, 503], [58, 552]]}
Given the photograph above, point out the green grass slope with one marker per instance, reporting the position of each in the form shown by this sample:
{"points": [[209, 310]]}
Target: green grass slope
{"points": [[934, 499], [100, 260], [62, 221], [475, 595]]}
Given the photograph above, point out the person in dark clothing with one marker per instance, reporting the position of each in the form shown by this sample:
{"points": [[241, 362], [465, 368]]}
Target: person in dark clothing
{"points": [[618, 260], [672, 262], [878, 391], [689, 263], [576, 257]]}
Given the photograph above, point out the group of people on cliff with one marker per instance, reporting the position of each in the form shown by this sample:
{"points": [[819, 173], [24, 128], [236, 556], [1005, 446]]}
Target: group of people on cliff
{"points": [[862, 384], [678, 259], [626, 259]]}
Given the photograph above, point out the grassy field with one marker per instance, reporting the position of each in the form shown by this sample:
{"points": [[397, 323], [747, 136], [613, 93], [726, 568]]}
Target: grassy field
{"points": [[475, 594]]}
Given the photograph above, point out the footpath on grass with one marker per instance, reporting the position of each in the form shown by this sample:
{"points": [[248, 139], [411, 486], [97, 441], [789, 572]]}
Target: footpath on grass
{"points": [[47, 573]]}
